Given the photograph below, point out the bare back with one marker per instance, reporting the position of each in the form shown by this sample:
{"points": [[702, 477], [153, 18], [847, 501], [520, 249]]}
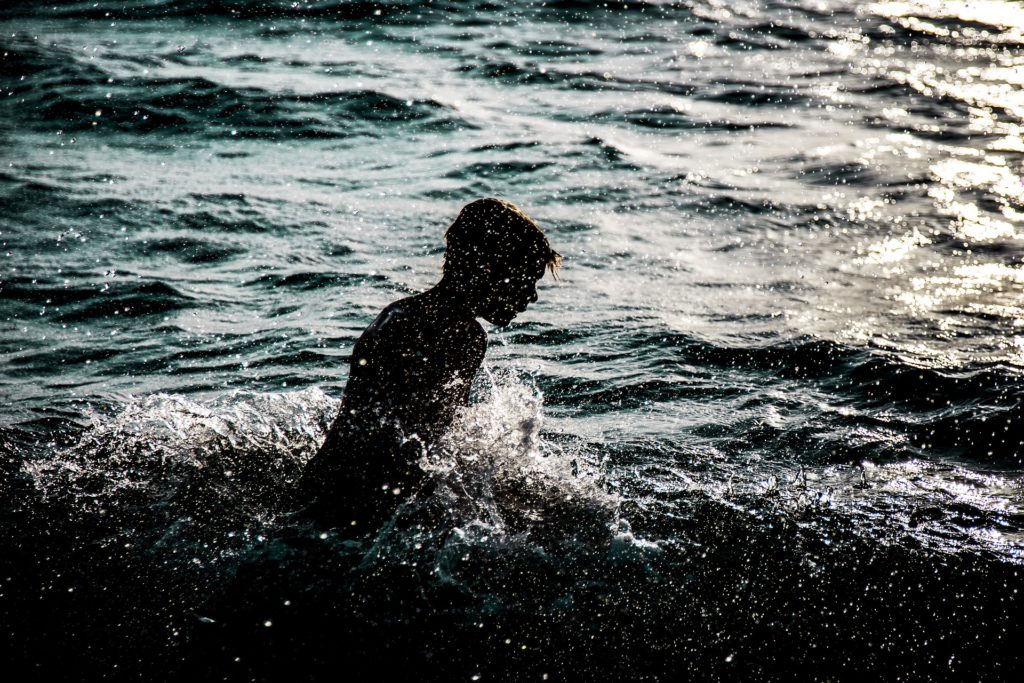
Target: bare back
{"points": [[410, 371]]}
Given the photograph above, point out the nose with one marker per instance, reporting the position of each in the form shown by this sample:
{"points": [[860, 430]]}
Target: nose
{"points": [[525, 301]]}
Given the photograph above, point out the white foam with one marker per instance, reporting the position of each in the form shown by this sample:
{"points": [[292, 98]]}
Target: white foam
{"points": [[502, 477], [241, 450], [225, 464]]}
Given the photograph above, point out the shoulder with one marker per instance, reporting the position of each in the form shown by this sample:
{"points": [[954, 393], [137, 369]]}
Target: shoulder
{"points": [[393, 328], [397, 320]]}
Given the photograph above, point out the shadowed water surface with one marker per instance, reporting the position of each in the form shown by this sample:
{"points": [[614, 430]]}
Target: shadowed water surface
{"points": [[768, 425]]}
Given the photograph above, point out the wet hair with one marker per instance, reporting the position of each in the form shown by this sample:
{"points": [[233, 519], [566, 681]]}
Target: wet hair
{"points": [[496, 232]]}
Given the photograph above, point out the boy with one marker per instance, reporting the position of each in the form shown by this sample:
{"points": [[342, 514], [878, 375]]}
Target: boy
{"points": [[413, 366]]}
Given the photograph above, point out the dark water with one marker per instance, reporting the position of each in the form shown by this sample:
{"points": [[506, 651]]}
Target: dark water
{"points": [[768, 426]]}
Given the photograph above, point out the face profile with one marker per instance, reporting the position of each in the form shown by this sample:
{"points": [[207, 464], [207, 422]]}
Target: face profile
{"points": [[511, 295]]}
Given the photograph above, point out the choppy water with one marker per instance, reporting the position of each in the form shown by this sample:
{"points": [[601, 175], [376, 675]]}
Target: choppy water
{"points": [[768, 426]]}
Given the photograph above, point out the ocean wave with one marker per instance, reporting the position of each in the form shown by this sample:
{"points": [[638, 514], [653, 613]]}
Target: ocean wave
{"points": [[528, 74], [46, 64], [852, 173], [60, 92], [498, 468], [513, 170], [896, 377], [67, 302], [751, 94], [311, 281], [669, 118], [192, 250], [394, 11], [902, 409]]}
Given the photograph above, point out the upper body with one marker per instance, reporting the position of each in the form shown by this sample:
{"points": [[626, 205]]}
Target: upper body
{"points": [[412, 368]]}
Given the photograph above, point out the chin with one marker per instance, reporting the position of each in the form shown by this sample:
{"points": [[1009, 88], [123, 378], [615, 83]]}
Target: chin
{"points": [[501, 320]]}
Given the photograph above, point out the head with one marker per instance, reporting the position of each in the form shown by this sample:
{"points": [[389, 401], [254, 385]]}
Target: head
{"points": [[494, 255]]}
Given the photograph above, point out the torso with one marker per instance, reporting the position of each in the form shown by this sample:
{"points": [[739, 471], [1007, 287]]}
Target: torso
{"points": [[414, 365], [411, 370]]}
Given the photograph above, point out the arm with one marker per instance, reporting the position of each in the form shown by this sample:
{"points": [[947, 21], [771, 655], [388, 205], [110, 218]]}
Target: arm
{"points": [[467, 362]]}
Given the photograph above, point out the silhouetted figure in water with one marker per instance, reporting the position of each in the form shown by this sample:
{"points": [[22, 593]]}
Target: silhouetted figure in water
{"points": [[413, 366]]}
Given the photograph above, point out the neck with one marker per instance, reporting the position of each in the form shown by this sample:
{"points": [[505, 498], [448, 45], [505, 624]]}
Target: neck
{"points": [[454, 297]]}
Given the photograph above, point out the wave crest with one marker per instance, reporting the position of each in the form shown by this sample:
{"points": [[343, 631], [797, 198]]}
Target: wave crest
{"points": [[230, 460]]}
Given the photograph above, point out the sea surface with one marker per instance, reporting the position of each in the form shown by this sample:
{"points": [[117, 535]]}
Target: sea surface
{"points": [[769, 425]]}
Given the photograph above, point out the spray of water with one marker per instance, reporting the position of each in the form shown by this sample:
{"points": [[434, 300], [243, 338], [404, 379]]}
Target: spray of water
{"points": [[228, 460], [499, 474], [180, 470]]}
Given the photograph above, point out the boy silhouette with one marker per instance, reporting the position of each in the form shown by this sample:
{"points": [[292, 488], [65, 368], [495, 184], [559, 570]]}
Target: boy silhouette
{"points": [[412, 368]]}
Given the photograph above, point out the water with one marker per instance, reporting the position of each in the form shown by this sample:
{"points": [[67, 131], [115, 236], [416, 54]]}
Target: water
{"points": [[767, 426]]}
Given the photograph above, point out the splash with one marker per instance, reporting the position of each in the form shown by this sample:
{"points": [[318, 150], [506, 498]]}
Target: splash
{"points": [[181, 469], [231, 459], [497, 478]]}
